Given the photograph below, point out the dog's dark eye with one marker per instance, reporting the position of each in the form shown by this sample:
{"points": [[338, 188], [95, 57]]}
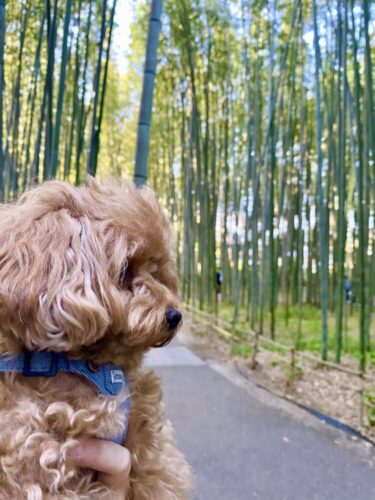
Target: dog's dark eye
{"points": [[125, 275]]}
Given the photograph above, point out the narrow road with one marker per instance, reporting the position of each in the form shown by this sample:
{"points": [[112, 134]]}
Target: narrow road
{"points": [[244, 443]]}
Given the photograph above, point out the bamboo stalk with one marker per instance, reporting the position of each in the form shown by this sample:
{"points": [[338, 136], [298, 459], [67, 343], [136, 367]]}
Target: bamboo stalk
{"points": [[81, 112], [2, 38], [91, 168], [323, 270], [59, 106], [96, 140], [144, 122]]}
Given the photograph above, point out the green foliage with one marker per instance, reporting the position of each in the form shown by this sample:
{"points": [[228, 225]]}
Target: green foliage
{"points": [[201, 333], [310, 339], [241, 350], [369, 401]]}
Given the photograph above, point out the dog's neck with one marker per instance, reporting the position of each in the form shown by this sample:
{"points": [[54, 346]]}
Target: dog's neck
{"points": [[104, 352], [109, 350], [9, 344]]}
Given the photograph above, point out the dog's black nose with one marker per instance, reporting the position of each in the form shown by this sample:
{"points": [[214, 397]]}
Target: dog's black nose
{"points": [[173, 318]]}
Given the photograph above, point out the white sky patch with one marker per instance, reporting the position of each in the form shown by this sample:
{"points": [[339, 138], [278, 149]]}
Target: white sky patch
{"points": [[121, 34]]}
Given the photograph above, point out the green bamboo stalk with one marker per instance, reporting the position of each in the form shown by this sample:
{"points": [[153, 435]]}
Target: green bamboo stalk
{"points": [[224, 259], [81, 111], [59, 106], [323, 244], [94, 123], [32, 98], [96, 139], [243, 285], [301, 190], [341, 219], [186, 186], [362, 182], [370, 151], [75, 97], [205, 243], [52, 21], [144, 122], [255, 182], [11, 149], [2, 38]]}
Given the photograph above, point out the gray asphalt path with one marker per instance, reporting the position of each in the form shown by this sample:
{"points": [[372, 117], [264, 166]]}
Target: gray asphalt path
{"points": [[243, 444]]}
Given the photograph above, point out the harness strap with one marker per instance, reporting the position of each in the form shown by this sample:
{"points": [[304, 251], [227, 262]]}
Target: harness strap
{"points": [[108, 379]]}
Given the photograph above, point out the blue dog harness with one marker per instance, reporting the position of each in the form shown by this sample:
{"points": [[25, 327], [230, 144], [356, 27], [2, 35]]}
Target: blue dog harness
{"points": [[108, 379]]}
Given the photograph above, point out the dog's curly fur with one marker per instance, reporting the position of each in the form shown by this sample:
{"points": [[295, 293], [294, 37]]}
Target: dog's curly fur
{"points": [[88, 271]]}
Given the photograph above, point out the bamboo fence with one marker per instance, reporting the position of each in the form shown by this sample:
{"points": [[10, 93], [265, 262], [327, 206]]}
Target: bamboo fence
{"points": [[360, 381]]}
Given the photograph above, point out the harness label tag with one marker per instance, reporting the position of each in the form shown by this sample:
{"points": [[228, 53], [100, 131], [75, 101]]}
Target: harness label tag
{"points": [[117, 377]]}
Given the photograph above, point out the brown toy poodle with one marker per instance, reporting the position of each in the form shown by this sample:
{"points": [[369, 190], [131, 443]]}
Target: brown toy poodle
{"points": [[87, 285]]}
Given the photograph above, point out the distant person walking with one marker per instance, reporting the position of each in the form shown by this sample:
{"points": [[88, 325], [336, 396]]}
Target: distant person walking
{"points": [[348, 290], [219, 282]]}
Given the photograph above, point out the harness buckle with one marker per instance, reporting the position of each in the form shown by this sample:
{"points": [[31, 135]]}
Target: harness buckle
{"points": [[28, 371]]}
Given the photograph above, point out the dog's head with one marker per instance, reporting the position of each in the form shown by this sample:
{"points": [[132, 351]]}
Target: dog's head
{"points": [[81, 264]]}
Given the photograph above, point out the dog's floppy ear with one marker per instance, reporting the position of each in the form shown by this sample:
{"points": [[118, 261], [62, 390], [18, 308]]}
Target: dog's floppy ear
{"points": [[52, 292]]}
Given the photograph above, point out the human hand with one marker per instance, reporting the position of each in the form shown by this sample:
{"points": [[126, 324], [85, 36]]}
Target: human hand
{"points": [[111, 460]]}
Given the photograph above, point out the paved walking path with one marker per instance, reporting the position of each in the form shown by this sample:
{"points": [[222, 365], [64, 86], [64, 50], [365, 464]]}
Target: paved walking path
{"points": [[244, 443]]}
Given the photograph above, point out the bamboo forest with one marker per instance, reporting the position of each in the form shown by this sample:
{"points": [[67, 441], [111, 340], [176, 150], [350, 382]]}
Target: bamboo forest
{"points": [[262, 145]]}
